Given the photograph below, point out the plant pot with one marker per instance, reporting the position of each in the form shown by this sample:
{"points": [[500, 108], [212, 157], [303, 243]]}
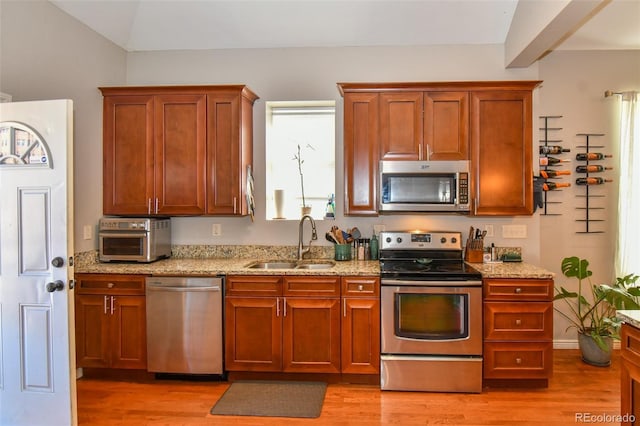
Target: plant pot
{"points": [[592, 353]]}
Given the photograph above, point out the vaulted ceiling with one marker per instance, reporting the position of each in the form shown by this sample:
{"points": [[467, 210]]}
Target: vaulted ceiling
{"points": [[143, 25]]}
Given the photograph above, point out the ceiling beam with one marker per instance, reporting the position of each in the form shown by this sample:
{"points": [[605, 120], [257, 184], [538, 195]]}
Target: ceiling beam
{"points": [[539, 26]]}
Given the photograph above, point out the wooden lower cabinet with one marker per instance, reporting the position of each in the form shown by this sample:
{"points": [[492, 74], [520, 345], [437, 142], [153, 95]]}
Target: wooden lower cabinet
{"points": [[518, 330], [361, 325], [110, 321], [300, 324], [282, 324], [630, 375]]}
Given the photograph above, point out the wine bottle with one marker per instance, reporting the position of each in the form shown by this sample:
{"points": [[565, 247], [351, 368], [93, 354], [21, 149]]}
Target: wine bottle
{"points": [[553, 149], [592, 168], [550, 161], [588, 156], [592, 181], [550, 186], [553, 173]]}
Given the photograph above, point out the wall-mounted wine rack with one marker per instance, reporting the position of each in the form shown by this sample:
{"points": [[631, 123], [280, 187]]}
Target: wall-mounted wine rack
{"points": [[550, 146], [585, 171]]}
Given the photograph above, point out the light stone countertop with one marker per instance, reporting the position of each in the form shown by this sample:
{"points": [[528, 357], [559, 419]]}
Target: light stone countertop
{"points": [[237, 265], [512, 270], [631, 317]]}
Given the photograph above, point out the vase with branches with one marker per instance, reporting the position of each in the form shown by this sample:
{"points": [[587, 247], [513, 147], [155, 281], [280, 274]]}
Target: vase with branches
{"points": [[298, 158]]}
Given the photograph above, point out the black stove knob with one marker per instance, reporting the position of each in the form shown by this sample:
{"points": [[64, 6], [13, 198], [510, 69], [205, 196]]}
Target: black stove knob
{"points": [[454, 240], [388, 239], [443, 240], [399, 240]]}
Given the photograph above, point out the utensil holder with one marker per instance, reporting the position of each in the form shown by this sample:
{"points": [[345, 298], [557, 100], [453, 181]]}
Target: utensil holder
{"points": [[342, 251], [473, 256]]}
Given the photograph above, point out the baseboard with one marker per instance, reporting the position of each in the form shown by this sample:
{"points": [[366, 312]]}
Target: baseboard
{"points": [[573, 344]]}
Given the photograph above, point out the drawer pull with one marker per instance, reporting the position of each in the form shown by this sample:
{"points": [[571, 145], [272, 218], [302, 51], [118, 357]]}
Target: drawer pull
{"points": [[518, 290], [518, 361], [518, 321], [111, 285], [360, 287]]}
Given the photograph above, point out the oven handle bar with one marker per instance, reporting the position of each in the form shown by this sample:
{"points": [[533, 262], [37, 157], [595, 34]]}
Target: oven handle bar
{"points": [[428, 283]]}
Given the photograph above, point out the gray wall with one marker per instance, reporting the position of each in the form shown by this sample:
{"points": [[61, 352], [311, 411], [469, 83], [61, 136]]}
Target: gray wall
{"points": [[46, 54]]}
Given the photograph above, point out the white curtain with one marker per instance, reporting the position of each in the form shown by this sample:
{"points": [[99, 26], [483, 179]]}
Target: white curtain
{"points": [[628, 247]]}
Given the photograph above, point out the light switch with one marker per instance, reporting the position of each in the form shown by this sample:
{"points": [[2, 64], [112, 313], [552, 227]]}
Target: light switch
{"points": [[216, 229], [87, 232]]}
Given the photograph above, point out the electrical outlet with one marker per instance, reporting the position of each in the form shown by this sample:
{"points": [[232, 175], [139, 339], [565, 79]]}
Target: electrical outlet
{"points": [[87, 232], [216, 229], [514, 231], [489, 229]]}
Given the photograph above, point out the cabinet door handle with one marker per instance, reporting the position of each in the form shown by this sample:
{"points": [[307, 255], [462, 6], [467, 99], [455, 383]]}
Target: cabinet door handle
{"points": [[284, 306], [234, 205], [419, 152], [106, 300], [149, 206], [344, 308], [112, 304], [156, 205], [277, 306]]}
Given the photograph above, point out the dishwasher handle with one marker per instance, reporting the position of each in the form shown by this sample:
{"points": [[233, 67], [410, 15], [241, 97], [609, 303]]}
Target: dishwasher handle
{"points": [[183, 289]]}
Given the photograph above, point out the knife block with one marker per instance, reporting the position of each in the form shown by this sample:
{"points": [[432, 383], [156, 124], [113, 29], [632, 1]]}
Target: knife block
{"points": [[473, 256]]}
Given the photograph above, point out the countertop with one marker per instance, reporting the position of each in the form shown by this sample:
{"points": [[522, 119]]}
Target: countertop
{"points": [[238, 266], [631, 317]]}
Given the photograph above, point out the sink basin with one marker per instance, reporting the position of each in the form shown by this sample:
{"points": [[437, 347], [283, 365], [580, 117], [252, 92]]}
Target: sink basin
{"points": [[324, 265], [289, 264], [276, 264]]}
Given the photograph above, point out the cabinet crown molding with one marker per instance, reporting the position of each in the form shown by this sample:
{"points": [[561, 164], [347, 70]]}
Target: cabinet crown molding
{"points": [[438, 86]]}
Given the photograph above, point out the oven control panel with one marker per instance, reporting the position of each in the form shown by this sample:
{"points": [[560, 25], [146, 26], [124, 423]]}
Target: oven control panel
{"points": [[419, 240]]}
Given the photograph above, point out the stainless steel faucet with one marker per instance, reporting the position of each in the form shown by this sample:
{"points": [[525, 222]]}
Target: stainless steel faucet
{"points": [[314, 235]]}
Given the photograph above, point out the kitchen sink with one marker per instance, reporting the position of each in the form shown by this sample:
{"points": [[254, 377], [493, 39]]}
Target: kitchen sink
{"points": [[288, 264]]}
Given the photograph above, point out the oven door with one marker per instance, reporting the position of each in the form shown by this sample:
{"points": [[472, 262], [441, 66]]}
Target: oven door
{"points": [[124, 246], [431, 319]]}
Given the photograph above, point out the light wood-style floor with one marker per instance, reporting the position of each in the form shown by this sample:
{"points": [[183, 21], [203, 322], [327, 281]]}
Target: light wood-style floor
{"points": [[576, 389]]}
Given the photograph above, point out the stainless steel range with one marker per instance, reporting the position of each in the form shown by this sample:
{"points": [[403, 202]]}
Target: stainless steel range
{"points": [[431, 314]]}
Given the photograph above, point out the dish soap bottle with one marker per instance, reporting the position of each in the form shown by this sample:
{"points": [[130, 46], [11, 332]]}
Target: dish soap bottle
{"points": [[373, 247], [331, 208]]}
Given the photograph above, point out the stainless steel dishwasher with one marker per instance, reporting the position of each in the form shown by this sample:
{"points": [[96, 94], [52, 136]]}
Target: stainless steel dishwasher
{"points": [[184, 325]]}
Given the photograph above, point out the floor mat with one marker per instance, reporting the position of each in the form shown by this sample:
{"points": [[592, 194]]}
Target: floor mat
{"points": [[272, 399]]}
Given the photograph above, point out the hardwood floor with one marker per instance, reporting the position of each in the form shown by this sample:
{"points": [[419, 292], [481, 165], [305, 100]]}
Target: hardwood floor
{"points": [[575, 390]]}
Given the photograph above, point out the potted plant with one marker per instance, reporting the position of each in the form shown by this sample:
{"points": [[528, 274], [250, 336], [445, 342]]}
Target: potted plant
{"points": [[306, 209], [592, 309]]}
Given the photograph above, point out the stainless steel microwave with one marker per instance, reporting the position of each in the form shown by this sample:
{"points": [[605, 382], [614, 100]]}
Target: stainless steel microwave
{"points": [[424, 186], [134, 239]]}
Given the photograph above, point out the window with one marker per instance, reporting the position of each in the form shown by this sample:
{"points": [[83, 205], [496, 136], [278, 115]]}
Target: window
{"points": [[20, 145], [307, 128]]}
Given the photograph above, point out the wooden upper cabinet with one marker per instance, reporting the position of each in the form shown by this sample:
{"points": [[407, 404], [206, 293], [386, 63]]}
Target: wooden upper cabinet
{"points": [[401, 126], [177, 150], [180, 146], [501, 152], [446, 126], [229, 151], [128, 173], [361, 154]]}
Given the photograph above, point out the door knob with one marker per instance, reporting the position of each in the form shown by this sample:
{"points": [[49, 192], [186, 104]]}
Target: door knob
{"points": [[57, 262], [55, 286]]}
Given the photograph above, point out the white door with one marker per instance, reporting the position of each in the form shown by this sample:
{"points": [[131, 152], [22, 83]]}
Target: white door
{"points": [[37, 369]]}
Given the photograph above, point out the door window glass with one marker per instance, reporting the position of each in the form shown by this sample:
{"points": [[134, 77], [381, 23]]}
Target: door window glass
{"points": [[20, 145]]}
